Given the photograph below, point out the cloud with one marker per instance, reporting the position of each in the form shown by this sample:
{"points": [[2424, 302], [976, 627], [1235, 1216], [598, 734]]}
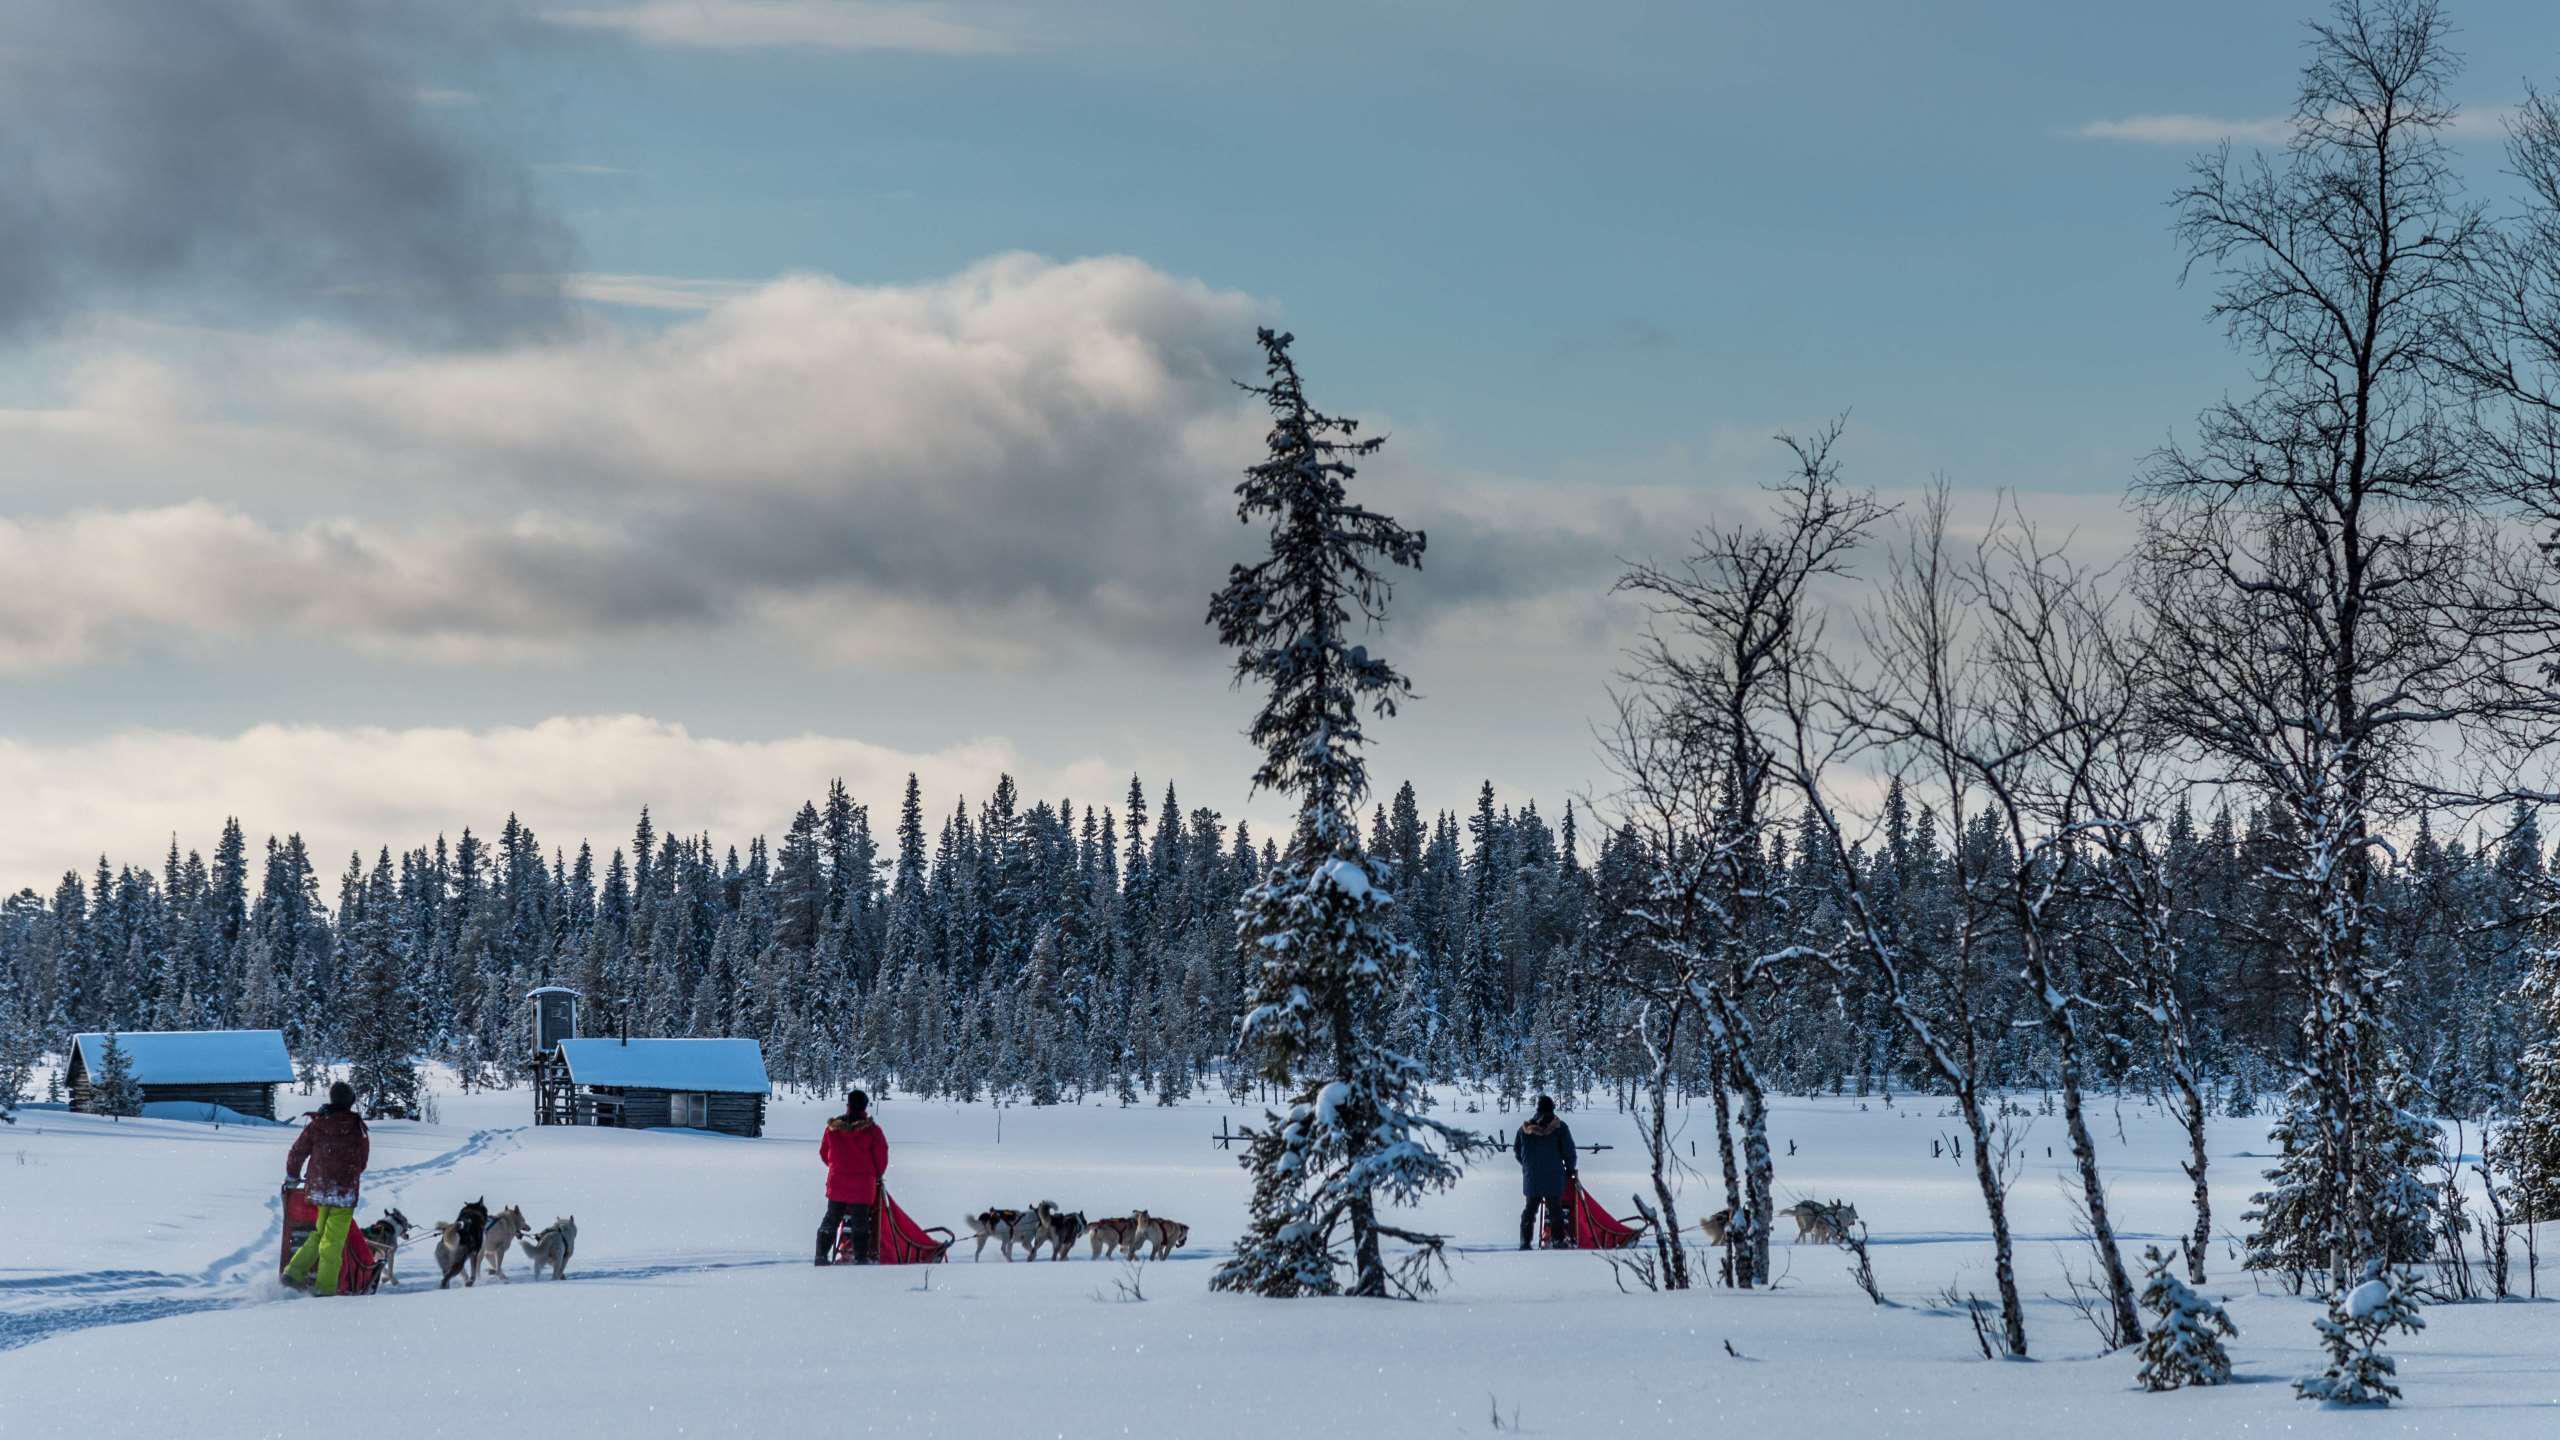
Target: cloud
{"points": [[2189, 130], [254, 153], [96, 583], [1029, 463], [2474, 123], [569, 777], [1022, 456], [655, 292], [776, 24]]}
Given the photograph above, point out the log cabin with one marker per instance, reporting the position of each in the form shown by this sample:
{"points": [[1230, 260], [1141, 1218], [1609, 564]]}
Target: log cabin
{"points": [[658, 1083], [238, 1070]]}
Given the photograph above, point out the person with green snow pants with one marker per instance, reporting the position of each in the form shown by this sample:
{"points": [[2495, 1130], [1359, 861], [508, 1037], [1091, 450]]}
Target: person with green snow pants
{"points": [[334, 1147]]}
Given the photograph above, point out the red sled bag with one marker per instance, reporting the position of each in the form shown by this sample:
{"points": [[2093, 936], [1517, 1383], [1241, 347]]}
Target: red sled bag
{"points": [[902, 1241], [1593, 1227], [359, 1270]]}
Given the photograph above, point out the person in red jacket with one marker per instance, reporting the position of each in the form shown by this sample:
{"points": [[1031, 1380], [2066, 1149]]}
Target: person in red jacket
{"points": [[335, 1147], [856, 1154]]}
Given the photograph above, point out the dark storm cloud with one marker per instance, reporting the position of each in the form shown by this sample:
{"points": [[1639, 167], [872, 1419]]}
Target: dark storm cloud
{"points": [[257, 155]]}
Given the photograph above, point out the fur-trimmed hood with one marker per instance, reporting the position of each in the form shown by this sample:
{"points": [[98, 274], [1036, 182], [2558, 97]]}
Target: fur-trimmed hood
{"points": [[1553, 1124], [845, 1125]]}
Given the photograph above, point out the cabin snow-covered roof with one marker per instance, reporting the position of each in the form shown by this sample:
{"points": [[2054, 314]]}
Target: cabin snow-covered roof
{"points": [[193, 1057], [730, 1067]]}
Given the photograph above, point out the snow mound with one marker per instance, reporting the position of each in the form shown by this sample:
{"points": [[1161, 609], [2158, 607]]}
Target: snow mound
{"points": [[201, 1111]]}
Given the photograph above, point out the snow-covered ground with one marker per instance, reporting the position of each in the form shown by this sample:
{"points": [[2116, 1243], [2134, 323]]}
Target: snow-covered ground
{"points": [[137, 1298]]}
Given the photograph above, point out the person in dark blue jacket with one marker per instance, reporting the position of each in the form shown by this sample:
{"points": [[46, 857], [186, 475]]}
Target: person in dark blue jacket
{"points": [[1544, 1148]]}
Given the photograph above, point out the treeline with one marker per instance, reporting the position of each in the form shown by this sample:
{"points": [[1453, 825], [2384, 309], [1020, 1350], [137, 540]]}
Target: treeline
{"points": [[1048, 951]]}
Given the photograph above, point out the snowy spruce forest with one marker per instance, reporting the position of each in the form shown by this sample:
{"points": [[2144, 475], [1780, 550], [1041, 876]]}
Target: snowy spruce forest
{"points": [[1045, 950], [1901, 803]]}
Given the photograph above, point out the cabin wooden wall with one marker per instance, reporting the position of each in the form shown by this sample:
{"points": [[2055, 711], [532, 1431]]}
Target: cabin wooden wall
{"points": [[247, 1099], [730, 1114]]}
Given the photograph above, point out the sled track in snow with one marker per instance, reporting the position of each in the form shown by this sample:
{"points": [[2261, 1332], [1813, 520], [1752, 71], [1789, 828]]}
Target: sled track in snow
{"points": [[125, 1297]]}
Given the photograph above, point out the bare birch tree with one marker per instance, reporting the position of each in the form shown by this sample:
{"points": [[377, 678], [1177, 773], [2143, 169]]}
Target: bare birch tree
{"points": [[1993, 692], [2140, 923], [2320, 565], [1729, 622]]}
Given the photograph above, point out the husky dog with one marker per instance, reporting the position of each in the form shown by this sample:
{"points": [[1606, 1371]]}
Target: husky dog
{"points": [[1820, 1223], [1008, 1228], [458, 1243], [500, 1236], [1718, 1228], [553, 1246], [1165, 1235], [1118, 1233], [385, 1235], [1058, 1229]]}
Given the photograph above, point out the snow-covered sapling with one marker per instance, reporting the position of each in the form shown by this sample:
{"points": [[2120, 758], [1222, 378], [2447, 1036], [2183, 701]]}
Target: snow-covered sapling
{"points": [[2184, 1346], [2358, 1319], [119, 1094]]}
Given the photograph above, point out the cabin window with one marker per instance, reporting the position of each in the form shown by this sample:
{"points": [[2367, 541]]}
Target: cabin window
{"points": [[691, 1109]]}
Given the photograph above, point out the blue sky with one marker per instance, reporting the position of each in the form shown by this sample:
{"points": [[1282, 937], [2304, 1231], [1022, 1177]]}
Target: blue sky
{"points": [[401, 418], [1547, 232]]}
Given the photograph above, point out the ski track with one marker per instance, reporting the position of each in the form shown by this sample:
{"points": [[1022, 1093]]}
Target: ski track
{"points": [[92, 1295]]}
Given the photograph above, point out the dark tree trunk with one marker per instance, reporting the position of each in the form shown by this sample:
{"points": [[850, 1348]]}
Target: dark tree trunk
{"points": [[1995, 1202]]}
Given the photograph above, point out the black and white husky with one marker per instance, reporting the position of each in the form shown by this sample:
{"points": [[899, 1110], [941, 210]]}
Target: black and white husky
{"points": [[458, 1243], [1009, 1228], [385, 1235], [1058, 1230]]}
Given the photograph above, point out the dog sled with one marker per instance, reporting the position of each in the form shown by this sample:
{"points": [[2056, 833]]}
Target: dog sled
{"points": [[1594, 1228], [359, 1269], [902, 1241]]}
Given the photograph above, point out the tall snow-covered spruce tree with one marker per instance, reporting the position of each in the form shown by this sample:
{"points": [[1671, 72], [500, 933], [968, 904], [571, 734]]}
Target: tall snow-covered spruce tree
{"points": [[1316, 930]]}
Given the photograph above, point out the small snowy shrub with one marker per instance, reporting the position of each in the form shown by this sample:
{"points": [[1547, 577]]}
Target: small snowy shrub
{"points": [[2185, 1345], [2359, 1316]]}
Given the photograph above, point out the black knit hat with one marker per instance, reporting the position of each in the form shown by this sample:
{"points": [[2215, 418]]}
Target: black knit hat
{"points": [[856, 1104], [343, 1095], [1546, 1107]]}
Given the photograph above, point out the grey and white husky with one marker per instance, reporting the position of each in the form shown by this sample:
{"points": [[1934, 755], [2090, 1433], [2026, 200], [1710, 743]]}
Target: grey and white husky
{"points": [[1820, 1223], [552, 1246]]}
